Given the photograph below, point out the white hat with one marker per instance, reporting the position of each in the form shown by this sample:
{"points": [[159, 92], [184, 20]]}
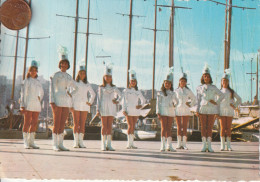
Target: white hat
{"points": [[132, 75], [183, 75], [169, 74], [226, 74], [63, 53], [108, 68], [81, 65], [206, 69], [35, 64]]}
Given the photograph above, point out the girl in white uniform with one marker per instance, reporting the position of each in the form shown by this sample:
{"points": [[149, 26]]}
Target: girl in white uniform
{"points": [[81, 106], [183, 113], [131, 108], [166, 99], [208, 100], [227, 107], [107, 98], [62, 87], [30, 104]]}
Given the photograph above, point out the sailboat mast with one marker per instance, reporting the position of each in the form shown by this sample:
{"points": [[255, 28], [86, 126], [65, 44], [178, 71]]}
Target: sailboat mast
{"points": [[229, 33], [26, 46], [171, 37], [75, 38], [15, 64], [129, 40], [225, 39], [87, 35], [154, 44]]}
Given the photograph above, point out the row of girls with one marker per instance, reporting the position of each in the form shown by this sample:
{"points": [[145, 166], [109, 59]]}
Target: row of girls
{"points": [[67, 94]]}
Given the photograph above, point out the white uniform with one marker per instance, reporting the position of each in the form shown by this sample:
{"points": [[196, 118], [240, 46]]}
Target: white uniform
{"points": [[80, 98], [165, 104], [183, 95], [31, 91], [225, 108], [61, 83], [130, 101], [205, 93], [104, 100]]}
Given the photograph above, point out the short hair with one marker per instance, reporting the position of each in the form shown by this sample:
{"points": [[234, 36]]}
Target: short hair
{"points": [[66, 61]]}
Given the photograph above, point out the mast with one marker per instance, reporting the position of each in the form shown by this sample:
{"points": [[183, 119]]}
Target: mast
{"points": [[227, 40], [129, 41], [87, 34], [154, 45], [129, 37], [15, 64], [26, 46], [75, 38]]}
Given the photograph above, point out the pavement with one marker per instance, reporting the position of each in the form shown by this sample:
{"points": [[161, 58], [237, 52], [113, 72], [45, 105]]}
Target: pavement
{"points": [[144, 163]]}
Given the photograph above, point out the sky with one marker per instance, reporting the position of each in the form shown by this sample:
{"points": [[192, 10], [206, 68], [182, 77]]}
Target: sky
{"points": [[199, 39]]}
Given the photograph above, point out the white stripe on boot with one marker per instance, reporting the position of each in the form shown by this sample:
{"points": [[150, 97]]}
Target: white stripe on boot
{"points": [[222, 143], [109, 147], [61, 147], [179, 146], [128, 146], [169, 145], [76, 140], [31, 141], [132, 141], [162, 144], [55, 142], [81, 138], [25, 140], [103, 142], [209, 144], [204, 144], [184, 141], [229, 144]]}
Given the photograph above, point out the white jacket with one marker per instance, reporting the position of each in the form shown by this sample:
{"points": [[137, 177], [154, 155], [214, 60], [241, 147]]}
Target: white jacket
{"points": [[225, 108], [60, 84], [130, 101], [184, 95], [165, 104], [80, 98], [205, 93], [104, 100], [31, 95]]}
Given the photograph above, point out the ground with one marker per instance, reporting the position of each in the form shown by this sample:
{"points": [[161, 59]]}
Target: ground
{"points": [[144, 163]]}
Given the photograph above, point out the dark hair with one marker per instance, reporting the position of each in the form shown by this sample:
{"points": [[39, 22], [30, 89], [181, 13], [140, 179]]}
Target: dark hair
{"points": [[136, 87], [66, 61], [231, 90], [29, 70], [163, 89], [186, 82], [84, 80], [202, 79], [105, 83]]}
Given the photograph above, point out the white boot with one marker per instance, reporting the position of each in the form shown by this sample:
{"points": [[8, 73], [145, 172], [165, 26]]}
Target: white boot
{"points": [[229, 144], [222, 143], [128, 146], [179, 145], [31, 141], [81, 138], [204, 144], [76, 140], [209, 144], [103, 142], [184, 141], [55, 142], [61, 147], [162, 144], [25, 140], [109, 147], [132, 141], [169, 145]]}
